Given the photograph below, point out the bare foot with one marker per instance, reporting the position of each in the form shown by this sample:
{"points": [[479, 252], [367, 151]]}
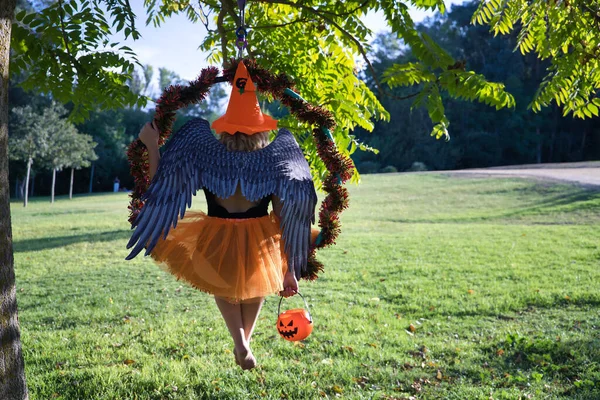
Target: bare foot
{"points": [[245, 359]]}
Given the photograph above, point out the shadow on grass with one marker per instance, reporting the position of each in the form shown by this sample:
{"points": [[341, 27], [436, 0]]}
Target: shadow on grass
{"points": [[519, 361], [578, 201], [20, 246]]}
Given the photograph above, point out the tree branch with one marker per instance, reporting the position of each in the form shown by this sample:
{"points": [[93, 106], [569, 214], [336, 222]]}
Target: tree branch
{"points": [[131, 16], [202, 16], [281, 25], [297, 5], [345, 14], [357, 42], [223, 35], [65, 38]]}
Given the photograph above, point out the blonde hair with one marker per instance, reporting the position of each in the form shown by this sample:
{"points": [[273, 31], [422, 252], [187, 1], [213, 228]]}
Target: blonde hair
{"points": [[242, 142]]}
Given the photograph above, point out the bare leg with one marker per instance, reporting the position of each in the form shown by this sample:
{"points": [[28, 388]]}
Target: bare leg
{"points": [[250, 313], [232, 315]]}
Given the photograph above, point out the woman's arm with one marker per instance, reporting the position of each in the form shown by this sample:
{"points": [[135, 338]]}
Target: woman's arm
{"points": [[149, 136]]}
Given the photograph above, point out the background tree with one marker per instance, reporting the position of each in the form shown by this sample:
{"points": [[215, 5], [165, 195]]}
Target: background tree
{"points": [[79, 153], [481, 136], [29, 139], [112, 130], [64, 141], [148, 71], [166, 78]]}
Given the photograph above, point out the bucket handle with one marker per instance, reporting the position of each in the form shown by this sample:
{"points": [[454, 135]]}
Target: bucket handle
{"points": [[305, 303]]}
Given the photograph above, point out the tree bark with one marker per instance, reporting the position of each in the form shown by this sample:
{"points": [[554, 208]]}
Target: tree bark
{"points": [[71, 184], [53, 183], [26, 197], [12, 368]]}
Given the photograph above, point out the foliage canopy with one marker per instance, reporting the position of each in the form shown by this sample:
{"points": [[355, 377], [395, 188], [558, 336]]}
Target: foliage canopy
{"points": [[317, 43]]}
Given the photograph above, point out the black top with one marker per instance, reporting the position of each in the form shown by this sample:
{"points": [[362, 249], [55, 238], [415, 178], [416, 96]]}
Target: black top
{"points": [[216, 210]]}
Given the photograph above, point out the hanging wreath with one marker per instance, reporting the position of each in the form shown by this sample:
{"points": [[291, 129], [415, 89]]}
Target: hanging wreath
{"points": [[340, 167]]}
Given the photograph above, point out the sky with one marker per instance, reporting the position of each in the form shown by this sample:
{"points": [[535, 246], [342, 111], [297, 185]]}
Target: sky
{"points": [[174, 45]]}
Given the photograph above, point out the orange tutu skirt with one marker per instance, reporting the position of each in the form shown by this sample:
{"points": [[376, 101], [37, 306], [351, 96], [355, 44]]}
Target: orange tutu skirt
{"points": [[237, 259]]}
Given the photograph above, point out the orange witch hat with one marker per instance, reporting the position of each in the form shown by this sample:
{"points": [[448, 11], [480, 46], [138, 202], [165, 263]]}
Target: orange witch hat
{"points": [[243, 111]]}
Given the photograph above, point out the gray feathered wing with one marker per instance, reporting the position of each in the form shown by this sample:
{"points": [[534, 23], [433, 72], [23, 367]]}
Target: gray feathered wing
{"points": [[194, 159]]}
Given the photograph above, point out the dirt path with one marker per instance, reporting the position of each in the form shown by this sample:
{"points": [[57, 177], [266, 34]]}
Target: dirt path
{"points": [[584, 173]]}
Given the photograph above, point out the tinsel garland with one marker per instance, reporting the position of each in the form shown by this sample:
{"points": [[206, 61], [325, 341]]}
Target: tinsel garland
{"points": [[340, 168]]}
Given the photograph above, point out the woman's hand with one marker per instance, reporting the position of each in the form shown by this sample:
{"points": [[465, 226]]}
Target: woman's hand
{"points": [[149, 135], [290, 285]]}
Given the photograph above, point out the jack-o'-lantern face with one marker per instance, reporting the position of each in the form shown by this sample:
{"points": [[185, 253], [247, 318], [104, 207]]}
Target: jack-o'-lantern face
{"points": [[294, 325]]}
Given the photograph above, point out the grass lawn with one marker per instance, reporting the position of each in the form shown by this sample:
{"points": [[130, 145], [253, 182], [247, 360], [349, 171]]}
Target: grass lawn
{"points": [[439, 287]]}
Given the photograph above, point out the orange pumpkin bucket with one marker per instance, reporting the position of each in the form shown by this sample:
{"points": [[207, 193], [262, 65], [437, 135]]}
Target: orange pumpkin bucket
{"points": [[295, 324]]}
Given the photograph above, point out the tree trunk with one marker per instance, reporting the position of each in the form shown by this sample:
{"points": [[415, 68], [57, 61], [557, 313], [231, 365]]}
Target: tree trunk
{"points": [[92, 177], [17, 188], [583, 140], [53, 183], [71, 184], [26, 197], [32, 184], [12, 368], [539, 147]]}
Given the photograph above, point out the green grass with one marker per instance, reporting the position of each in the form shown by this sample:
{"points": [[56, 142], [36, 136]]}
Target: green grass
{"points": [[500, 279]]}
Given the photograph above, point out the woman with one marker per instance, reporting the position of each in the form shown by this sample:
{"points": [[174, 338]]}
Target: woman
{"points": [[238, 251]]}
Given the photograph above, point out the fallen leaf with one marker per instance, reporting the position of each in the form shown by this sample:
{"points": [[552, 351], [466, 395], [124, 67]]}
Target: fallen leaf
{"points": [[499, 352], [128, 361], [439, 375], [470, 291], [412, 328], [372, 345], [337, 389], [348, 348], [567, 298], [361, 381]]}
